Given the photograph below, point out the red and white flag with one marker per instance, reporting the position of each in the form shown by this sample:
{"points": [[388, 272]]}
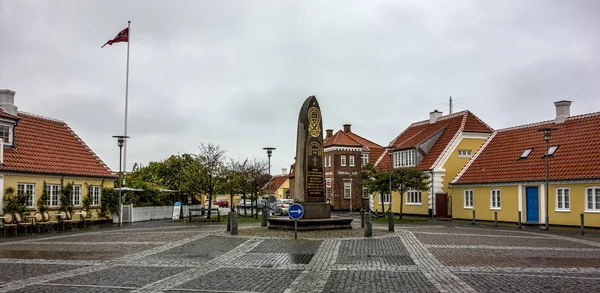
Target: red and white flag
{"points": [[123, 36], [246, 161]]}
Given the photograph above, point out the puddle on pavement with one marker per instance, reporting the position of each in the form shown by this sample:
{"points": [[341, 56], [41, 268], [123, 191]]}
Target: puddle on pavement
{"points": [[301, 259]]}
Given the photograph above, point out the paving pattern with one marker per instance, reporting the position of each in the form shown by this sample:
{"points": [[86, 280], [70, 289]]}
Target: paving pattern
{"points": [[203, 258]]}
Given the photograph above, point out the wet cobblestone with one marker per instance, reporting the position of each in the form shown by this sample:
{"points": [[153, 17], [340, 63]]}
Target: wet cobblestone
{"points": [[531, 283], [257, 280], [378, 281]]}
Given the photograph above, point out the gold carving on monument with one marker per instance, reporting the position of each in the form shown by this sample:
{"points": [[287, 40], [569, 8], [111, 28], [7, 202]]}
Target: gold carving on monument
{"points": [[314, 119]]}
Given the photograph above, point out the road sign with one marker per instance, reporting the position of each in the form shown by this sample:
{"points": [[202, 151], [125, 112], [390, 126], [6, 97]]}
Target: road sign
{"points": [[176, 211], [296, 211]]}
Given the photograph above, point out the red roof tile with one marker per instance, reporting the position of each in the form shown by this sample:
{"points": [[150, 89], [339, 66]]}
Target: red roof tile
{"points": [[48, 146], [276, 182], [578, 155], [449, 125], [341, 138], [7, 115]]}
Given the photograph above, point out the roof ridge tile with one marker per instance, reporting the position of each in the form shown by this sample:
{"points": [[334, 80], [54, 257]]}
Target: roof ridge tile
{"points": [[468, 164], [41, 117], [456, 134], [445, 117]]}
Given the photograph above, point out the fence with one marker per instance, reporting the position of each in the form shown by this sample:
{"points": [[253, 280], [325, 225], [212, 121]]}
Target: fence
{"points": [[140, 214]]}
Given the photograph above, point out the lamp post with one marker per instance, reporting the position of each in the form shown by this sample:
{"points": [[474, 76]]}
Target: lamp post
{"points": [[120, 142], [390, 154], [269, 153], [547, 133]]}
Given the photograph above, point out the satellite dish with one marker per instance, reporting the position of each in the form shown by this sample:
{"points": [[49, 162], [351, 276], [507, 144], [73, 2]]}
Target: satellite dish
{"points": [[272, 199]]}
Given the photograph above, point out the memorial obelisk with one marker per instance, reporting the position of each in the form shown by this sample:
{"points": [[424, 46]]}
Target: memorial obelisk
{"points": [[309, 185]]}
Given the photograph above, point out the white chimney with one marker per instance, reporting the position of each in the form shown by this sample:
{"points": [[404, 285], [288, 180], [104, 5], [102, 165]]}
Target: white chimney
{"points": [[434, 116], [284, 171], [7, 102], [563, 111]]}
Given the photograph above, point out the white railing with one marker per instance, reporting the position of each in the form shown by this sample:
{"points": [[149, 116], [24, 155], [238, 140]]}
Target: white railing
{"points": [[140, 214]]}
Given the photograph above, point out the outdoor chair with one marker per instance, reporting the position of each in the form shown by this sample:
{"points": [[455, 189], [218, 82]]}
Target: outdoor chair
{"points": [[64, 219], [22, 222], [39, 221], [8, 223], [84, 218], [47, 219]]}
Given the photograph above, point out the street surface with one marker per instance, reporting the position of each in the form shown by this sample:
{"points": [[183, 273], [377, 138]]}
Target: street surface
{"points": [[168, 257]]}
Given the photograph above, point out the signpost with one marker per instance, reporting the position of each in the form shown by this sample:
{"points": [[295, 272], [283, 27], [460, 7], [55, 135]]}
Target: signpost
{"points": [[176, 211], [296, 212]]}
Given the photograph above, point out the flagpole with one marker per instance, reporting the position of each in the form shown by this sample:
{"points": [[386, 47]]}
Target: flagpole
{"points": [[126, 97]]}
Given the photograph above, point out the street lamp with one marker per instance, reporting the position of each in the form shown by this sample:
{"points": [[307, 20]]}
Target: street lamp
{"points": [[390, 154], [269, 153], [547, 133], [120, 142]]}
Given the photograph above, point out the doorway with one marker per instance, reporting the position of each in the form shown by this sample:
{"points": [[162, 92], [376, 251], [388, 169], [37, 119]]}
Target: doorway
{"points": [[532, 204]]}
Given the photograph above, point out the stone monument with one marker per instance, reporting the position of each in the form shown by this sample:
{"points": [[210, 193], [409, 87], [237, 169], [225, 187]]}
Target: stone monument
{"points": [[309, 181]]}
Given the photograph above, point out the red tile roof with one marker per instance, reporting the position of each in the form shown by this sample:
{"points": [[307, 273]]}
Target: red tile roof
{"points": [[48, 146], [276, 182], [449, 126], [578, 155], [341, 138], [351, 139], [7, 115]]}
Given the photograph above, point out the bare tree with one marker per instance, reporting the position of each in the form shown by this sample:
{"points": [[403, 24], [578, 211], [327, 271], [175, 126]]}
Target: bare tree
{"points": [[211, 158]]}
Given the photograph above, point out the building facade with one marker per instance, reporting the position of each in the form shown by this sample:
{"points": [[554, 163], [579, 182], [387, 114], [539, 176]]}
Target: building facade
{"points": [[507, 176], [280, 186], [36, 149], [440, 146], [345, 155]]}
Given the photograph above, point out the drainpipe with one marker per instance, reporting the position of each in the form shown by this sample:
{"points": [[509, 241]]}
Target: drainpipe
{"points": [[431, 192]]}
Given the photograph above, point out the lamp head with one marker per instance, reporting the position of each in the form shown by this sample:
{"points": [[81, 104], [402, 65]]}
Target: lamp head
{"points": [[547, 132], [269, 150], [120, 139]]}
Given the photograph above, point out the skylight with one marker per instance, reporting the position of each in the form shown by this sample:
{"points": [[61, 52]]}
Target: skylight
{"points": [[552, 149], [526, 153]]}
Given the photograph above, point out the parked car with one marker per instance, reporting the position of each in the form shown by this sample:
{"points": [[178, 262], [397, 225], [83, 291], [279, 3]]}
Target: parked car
{"points": [[244, 203], [222, 203], [283, 205]]}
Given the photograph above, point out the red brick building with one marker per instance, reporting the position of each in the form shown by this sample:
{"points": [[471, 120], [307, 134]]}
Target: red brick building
{"points": [[345, 153]]}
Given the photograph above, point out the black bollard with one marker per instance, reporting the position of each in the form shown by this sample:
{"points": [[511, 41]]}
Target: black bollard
{"points": [[362, 218], [390, 221], [368, 225], [234, 223], [473, 223], [582, 223], [495, 219], [520, 224]]}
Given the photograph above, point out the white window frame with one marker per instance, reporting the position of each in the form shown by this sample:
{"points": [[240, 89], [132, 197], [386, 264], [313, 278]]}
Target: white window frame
{"points": [[413, 198], [562, 196], [328, 161], [95, 193], [29, 189], [468, 199], [351, 159], [365, 159], [343, 160], [9, 141], [552, 150], [365, 194], [405, 158], [387, 196], [76, 196], [347, 190], [465, 153], [595, 197], [53, 191], [495, 199]]}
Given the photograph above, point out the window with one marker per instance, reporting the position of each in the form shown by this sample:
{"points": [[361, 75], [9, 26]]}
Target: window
{"points": [[465, 153], [95, 194], [76, 196], [468, 198], [6, 133], [552, 150], [413, 197], [404, 158], [351, 161], [52, 190], [495, 199], [365, 159], [592, 199], [385, 197], [563, 199], [329, 161], [365, 193], [343, 160], [526, 153], [29, 189], [347, 190]]}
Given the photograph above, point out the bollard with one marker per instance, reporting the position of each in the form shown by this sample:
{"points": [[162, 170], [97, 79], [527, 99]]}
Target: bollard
{"points": [[473, 223], [390, 221], [368, 225], [229, 221], [495, 219], [362, 218], [582, 223], [520, 224], [234, 223], [263, 222]]}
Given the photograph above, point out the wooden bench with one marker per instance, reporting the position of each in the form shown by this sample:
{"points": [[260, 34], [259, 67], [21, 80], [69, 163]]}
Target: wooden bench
{"points": [[203, 212]]}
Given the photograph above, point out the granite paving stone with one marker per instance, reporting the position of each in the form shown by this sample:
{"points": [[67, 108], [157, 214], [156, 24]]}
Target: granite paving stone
{"points": [[377, 281], [288, 246], [16, 271], [530, 283], [255, 280], [122, 276], [69, 289], [198, 251], [505, 241]]}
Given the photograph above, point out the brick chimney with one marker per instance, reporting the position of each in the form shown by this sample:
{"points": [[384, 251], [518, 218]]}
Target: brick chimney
{"points": [[563, 111], [329, 133], [347, 128], [434, 116], [7, 102]]}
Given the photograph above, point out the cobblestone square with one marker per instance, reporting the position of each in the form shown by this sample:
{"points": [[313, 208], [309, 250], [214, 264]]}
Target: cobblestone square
{"points": [[169, 257]]}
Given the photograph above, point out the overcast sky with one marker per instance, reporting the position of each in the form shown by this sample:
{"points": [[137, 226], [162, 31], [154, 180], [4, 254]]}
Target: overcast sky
{"points": [[235, 73]]}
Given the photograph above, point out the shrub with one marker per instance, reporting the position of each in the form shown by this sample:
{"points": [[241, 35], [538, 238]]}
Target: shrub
{"points": [[15, 203]]}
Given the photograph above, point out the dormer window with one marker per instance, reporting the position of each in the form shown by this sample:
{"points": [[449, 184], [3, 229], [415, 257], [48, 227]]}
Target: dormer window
{"points": [[405, 158], [6, 133], [552, 150], [526, 153]]}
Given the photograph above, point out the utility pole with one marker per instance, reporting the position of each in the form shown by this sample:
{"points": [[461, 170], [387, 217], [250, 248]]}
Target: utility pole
{"points": [[450, 104]]}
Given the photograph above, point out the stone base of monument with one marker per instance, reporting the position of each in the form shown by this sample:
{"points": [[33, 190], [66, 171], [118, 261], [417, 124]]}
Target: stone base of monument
{"points": [[334, 222], [316, 210]]}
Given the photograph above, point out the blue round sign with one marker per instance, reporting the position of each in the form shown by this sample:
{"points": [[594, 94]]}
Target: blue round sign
{"points": [[296, 211]]}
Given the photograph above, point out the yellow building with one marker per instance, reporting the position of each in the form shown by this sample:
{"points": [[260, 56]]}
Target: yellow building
{"points": [[279, 186], [37, 149], [440, 147], [507, 176]]}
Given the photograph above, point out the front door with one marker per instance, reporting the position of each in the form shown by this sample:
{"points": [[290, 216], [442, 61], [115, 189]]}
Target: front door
{"points": [[531, 203], [441, 205]]}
